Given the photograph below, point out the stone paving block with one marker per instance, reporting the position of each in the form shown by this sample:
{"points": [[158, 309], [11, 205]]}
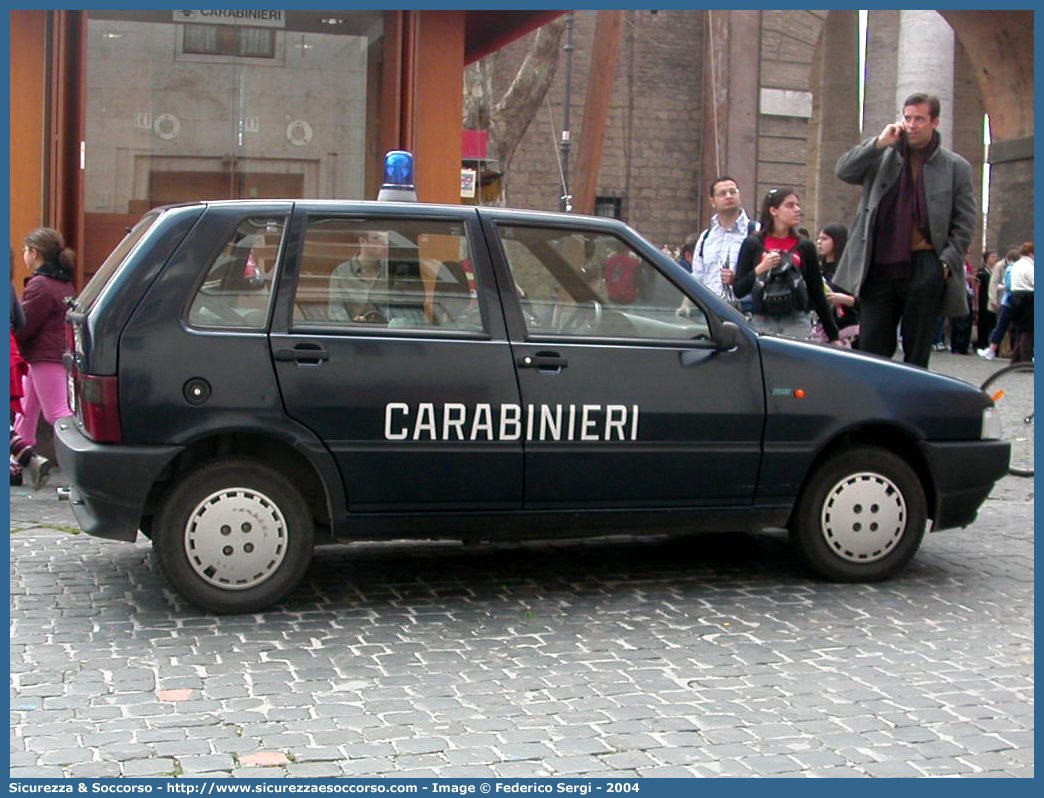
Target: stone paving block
{"points": [[180, 747], [521, 770], [982, 743], [631, 742], [148, 768], [722, 769], [39, 772], [93, 770], [313, 770], [579, 765], [368, 750], [628, 760], [771, 765], [892, 770], [431, 761], [535, 734], [194, 765], [119, 752], [377, 766], [571, 745], [666, 772]]}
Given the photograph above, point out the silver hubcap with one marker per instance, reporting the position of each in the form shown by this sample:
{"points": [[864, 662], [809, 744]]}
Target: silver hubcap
{"points": [[863, 517], [236, 538]]}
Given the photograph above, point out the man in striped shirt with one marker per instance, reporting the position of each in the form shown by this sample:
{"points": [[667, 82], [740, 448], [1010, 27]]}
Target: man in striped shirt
{"points": [[714, 258]]}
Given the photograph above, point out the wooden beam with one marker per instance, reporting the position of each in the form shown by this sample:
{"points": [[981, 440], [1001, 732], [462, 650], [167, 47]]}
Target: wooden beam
{"points": [[438, 105], [604, 52], [27, 132], [67, 129]]}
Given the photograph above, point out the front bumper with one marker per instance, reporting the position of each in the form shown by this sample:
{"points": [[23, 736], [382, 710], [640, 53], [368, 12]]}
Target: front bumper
{"points": [[963, 474], [110, 482]]}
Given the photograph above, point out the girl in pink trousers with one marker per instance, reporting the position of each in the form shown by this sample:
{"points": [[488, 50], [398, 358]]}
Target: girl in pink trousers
{"points": [[42, 339]]}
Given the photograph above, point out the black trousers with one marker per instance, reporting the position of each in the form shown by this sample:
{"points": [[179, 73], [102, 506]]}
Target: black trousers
{"points": [[910, 305], [987, 321], [960, 334]]}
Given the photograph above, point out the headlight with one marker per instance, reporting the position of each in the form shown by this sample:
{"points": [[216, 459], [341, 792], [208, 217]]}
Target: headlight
{"points": [[992, 429]]}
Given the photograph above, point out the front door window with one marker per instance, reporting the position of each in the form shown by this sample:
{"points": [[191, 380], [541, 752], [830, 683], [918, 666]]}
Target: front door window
{"points": [[583, 283]]}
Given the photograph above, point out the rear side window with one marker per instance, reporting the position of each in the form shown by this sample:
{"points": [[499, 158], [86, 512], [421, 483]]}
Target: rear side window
{"points": [[237, 290], [108, 269], [368, 274]]}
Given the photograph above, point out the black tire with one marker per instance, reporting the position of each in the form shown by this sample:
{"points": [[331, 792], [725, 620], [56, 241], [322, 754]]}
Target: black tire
{"points": [[860, 516], [1011, 389], [233, 536]]}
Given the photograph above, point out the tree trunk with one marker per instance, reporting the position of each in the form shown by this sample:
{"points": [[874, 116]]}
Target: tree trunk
{"points": [[507, 120]]}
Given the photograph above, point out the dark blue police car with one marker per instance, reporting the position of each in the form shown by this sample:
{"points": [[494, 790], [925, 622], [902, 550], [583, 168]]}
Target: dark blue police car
{"points": [[254, 378]]}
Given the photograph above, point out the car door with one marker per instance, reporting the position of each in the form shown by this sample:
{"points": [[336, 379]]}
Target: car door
{"points": [[629, 402], [392, 350]]}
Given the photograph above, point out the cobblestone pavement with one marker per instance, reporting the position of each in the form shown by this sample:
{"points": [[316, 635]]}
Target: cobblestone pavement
{"points": [[705, 656]]}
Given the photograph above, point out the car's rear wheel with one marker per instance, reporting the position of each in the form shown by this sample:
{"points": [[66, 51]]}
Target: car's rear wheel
{"points": [[233, 535], [860, 517]]}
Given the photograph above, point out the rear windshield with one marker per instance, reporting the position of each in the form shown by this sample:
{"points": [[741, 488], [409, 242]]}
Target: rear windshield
{"points": [[112, 263]]}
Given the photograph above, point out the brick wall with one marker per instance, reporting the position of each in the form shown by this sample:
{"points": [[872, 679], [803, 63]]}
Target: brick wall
{"points": [[651, 148]]}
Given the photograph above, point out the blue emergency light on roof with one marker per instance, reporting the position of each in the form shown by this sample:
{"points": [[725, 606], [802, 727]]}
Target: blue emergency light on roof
{"points": [[398, 178]]}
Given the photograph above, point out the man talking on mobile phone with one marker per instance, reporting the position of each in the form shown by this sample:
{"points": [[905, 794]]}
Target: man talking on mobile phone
{"points": [[906, 250]]}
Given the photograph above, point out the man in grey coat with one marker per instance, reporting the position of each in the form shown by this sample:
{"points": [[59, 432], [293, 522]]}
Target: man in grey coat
{"points": [[906, 249]]}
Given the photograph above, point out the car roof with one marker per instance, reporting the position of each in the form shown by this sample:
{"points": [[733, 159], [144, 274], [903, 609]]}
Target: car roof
{"points": [[409, 208]]}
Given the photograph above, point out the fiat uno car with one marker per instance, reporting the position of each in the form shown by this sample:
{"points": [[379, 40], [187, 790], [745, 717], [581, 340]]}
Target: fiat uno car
{"points": [[251, 379]]}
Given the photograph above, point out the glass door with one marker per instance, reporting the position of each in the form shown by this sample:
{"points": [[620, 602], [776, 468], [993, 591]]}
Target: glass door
{"points": [[228, 104]]}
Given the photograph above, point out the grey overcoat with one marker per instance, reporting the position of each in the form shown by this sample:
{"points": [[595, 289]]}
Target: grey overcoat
{"points": [[951, 214]]}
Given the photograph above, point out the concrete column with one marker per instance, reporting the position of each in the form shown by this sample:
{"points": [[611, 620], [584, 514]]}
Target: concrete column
{"points": [[835, 121], [1011, 193], [925, 64], [967, 120], [730, 119], [744, 79], [882, 33]]}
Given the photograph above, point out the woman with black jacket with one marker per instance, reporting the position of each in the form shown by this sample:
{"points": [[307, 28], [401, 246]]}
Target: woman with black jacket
{"points": [[830, 244], [780, 270]]}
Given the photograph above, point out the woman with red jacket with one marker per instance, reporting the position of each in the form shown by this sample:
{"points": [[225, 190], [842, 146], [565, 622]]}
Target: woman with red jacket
{"points": [[42, 339]]}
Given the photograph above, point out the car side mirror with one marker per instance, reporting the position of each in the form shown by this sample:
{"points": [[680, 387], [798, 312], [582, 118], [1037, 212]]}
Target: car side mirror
{"points": [[729, 336]]}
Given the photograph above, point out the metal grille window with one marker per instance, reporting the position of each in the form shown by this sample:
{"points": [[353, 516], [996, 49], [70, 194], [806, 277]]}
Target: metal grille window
{"points": [[613, 207], [229, 40]]}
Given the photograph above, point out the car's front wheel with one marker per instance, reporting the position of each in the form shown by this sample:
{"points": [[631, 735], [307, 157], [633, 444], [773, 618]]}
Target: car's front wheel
{"points": [[233, 535], [860, 517]]}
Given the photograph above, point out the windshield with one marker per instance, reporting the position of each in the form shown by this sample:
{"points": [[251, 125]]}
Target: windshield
{"points": [[112, 263]]}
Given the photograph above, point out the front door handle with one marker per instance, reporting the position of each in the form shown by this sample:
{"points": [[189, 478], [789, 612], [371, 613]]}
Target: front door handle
{"points": [[303, 355], [543, 362]]}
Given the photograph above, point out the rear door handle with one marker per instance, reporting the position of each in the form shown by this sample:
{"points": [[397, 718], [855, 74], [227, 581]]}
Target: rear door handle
{"points": [[303, 355], [544, 362]]}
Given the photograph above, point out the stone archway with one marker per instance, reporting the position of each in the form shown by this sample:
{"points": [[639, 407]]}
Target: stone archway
{"points": [[999, 45]]}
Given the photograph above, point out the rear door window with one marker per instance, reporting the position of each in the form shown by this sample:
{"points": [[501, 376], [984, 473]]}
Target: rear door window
{"points": [[237, 289], [386, 274]]}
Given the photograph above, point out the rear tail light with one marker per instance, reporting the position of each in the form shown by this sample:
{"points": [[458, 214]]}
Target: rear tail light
{"points": [[98, 407]]}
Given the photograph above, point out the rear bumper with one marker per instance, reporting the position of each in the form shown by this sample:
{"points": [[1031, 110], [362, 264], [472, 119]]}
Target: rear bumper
{"points": [[110, 482], [964, 474]]}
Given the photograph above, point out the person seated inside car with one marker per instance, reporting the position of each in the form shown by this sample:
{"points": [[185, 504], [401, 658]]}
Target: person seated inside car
{"points": [[359, 286]]}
